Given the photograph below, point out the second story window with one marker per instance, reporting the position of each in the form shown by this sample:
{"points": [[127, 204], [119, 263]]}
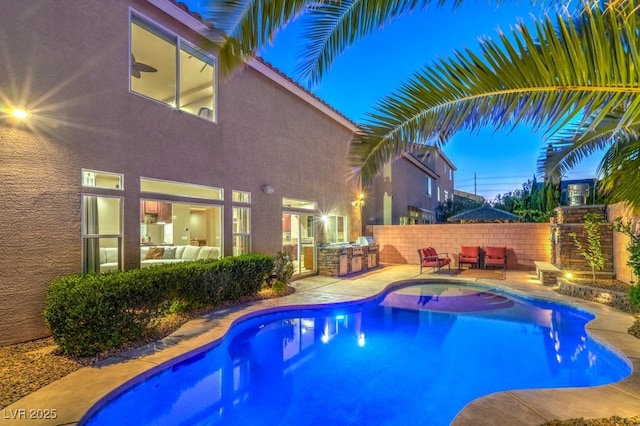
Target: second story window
{"points": [[428, 186], [166, 68]]}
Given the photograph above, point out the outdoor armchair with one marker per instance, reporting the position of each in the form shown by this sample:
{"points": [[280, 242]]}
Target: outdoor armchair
{"points": [[429, 258], [495, 256], [469, 255]]}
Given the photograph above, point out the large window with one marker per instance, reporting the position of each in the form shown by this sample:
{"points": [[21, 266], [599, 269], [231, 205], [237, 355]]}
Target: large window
{"points": [[177, 231], [166, 68], [241, 230], [241, 223], [101, 234], [336, 227], [180, 189]]}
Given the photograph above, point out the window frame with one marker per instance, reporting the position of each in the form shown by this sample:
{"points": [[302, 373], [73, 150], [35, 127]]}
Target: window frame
{"points": [[235, 233], [85, 236], [83, 181], [177, 41], [345, 231]]}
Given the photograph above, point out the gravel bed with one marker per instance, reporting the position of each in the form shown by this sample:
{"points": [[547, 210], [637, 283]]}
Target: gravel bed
{"points": [[27, 367]]}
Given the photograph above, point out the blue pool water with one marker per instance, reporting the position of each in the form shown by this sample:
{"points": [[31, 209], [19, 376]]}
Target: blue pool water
{"points": [[416, 356]]}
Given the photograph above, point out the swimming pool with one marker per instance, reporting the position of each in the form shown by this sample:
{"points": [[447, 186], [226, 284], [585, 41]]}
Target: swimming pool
{"points": [[418, 354]]}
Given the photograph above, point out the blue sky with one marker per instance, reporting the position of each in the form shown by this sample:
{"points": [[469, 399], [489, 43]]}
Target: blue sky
{"points": [[375, 66]]}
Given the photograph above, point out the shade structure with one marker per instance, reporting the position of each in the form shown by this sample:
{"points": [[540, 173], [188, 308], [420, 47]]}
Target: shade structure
{"points": [[484, 214]]}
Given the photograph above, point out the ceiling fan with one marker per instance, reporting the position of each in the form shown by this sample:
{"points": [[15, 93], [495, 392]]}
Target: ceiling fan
{"points": [[138, 67]]}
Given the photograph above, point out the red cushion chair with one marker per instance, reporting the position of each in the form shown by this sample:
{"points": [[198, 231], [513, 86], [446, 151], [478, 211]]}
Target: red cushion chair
{"points": [[470, 255], [495, 256], [430, 258]]}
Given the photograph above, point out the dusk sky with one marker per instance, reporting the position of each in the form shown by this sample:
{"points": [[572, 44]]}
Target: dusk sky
{"points": [[375, 66]]}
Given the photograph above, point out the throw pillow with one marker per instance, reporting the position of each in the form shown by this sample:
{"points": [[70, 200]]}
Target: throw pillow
{"points": [[205, 253], [191, 252], [169, 253], [155, 253]]}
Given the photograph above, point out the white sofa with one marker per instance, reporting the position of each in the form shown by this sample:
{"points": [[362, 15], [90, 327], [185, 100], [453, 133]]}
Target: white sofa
{"points": [[159, 255]]}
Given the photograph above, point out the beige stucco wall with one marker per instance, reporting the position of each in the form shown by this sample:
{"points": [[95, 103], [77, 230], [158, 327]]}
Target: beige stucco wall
{"points": [[525, 242], [67, 62], [621, 242]]}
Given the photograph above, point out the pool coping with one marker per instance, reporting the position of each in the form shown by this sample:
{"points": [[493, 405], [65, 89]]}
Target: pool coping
{"points": [[75, 396]]}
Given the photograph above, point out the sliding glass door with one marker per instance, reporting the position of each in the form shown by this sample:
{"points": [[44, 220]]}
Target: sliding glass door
{"points": [[299, 240]]}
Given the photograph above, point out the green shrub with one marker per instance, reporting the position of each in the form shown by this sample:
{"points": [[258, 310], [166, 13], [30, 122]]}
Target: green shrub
{"points": [[248, 272], [634, 295], [88, 314], [91, 313], [283, 267], [627, 228], [593, 250]]}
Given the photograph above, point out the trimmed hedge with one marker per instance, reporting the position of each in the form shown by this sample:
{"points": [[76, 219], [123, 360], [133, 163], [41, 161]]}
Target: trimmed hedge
{"points": [[88, 314]]}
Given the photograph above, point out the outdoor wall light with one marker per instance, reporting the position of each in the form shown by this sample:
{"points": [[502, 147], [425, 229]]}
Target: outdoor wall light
{"points": [[20, 114], [359, 202], [268, 189]]}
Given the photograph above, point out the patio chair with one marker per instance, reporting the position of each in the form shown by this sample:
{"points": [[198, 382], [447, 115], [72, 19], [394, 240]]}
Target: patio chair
{"points": [[495, 256], [429, 258], [469, 255]]}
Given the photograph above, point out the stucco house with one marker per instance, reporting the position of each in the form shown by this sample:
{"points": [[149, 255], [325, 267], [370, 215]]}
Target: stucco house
{"points": [[409, 189], [121, 147]]}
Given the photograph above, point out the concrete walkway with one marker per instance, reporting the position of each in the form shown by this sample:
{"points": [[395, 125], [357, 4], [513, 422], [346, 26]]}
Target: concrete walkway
{"points": [[73, 396]]}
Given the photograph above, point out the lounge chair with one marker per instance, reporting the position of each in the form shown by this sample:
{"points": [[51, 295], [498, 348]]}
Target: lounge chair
{"points": [[430, 258], [469, 255], [495, 256]]}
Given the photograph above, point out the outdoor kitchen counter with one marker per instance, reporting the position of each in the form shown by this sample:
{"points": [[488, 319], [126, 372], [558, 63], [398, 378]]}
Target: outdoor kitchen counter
{"points": [[338, 260]]}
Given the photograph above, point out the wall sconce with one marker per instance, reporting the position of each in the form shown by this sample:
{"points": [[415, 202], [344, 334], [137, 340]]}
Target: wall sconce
{"points": [[358, 202], [268, 189], [20, 114]]}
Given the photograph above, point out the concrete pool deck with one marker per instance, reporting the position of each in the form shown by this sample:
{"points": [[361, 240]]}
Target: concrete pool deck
{"points": [[73, 396]]}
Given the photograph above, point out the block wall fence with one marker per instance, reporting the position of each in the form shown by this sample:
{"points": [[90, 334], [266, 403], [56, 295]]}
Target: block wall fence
{"points": [[525, 242]]}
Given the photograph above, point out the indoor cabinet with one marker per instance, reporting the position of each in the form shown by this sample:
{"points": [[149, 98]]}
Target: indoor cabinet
{"points": [[155, 211]]}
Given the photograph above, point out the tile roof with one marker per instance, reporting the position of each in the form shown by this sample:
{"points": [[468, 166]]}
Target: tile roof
{"points": [[486, 213]]}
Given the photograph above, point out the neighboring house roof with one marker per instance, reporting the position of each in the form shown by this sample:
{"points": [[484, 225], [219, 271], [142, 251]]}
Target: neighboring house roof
{"points": [[485, 214], [470, 196], [419, 164], [413, 158]]}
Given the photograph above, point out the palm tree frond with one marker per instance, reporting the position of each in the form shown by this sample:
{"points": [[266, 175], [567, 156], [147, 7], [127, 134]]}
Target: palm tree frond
{"points": [[249, 25], [546, 81]]}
